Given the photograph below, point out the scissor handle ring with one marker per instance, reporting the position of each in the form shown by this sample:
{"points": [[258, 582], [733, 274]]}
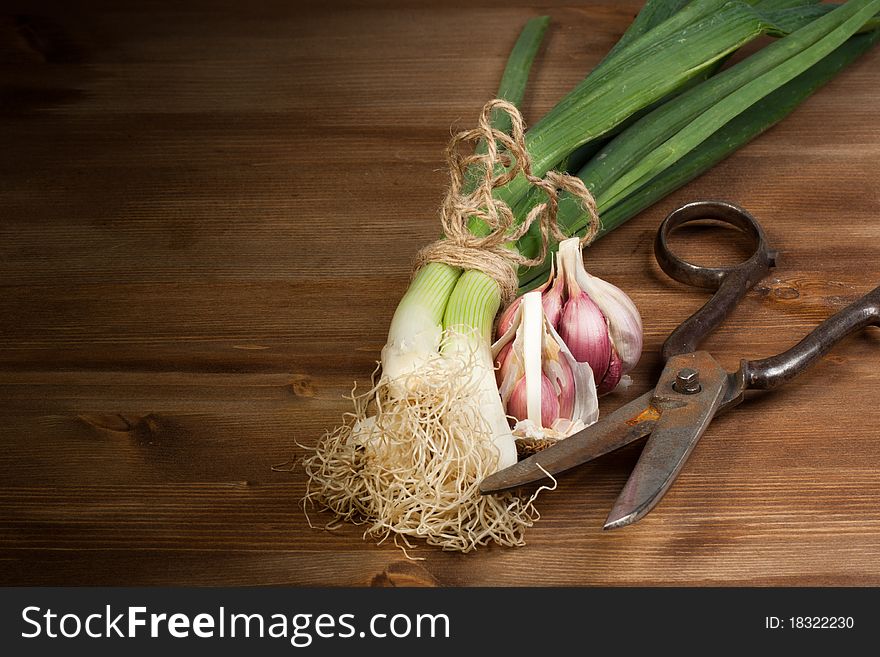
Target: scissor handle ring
{"points": [[711, 277], [730, 283]]}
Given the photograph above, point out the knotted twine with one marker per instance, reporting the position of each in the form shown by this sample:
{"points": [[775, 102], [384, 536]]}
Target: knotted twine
{"points": [[492, 253]]}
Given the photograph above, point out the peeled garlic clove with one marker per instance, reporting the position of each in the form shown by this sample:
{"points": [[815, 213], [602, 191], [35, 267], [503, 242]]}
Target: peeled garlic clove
{"points": [[612, 376], [584, 330]]}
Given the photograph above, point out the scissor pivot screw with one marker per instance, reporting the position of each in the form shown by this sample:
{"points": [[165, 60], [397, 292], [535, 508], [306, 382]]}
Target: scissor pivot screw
{"points": [[687, 381]]}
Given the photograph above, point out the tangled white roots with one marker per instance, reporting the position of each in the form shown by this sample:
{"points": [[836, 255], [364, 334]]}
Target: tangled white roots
{"points": [[409, 460]]}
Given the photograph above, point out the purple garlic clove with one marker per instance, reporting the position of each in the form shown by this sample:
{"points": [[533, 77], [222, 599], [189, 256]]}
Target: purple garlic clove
{"points": [[584, 330]]}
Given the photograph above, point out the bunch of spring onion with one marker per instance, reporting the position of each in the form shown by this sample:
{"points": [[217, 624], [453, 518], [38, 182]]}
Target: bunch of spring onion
{"points": [[449, 404]]}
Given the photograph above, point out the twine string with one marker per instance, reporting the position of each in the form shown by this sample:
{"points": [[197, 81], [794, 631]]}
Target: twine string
{"points": [[504, 159]]}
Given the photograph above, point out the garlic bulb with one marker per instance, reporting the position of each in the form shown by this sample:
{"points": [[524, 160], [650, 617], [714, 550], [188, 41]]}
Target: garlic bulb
{"points": [[545, 390], [562, 345]]}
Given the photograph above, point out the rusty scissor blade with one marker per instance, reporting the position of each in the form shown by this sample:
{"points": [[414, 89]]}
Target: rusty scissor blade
{"points": [[628, 423], [674, 436]]}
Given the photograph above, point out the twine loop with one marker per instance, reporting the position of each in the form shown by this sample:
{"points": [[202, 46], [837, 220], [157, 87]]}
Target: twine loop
{"points": [[474, 178]]}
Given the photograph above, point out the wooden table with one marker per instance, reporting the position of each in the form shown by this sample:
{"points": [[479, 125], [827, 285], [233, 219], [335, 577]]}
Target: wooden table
{"points": [[208, 212]]}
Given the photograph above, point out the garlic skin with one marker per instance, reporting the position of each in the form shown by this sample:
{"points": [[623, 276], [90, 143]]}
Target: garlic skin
{"points": [[505, 320], [562, 379], [502, 366]]}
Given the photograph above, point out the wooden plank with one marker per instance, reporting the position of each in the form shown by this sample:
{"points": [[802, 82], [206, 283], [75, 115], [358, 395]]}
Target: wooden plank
{"points": [[207, 214]]}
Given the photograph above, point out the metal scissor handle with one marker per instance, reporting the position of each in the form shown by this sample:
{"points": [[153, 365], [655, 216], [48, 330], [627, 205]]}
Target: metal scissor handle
{"points": [[771, 372], [731, 283]]}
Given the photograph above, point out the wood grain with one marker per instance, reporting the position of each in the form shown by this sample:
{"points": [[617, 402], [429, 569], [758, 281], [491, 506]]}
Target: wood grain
{"points": [[207, 212]]}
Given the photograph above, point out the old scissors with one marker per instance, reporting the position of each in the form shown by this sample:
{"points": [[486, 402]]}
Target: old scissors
{"points": [[693, 387]]}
